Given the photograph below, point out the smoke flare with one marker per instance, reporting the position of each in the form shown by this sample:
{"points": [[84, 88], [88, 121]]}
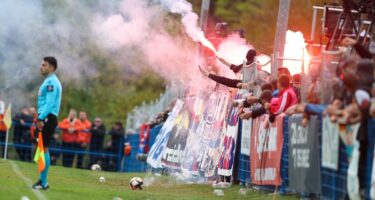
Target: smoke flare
{"points": [[189, 20]]}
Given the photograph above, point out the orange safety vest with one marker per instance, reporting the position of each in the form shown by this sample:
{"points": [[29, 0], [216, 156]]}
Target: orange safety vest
{"points": [[3, 128], [65, 124], [84, 136]]}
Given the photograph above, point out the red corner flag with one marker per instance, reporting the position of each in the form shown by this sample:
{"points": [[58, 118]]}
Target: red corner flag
{"points": [[39, 154]]}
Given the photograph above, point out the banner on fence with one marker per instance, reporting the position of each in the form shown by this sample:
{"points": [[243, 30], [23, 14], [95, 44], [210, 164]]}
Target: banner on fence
{"points": [[144, 136], [158, 148], [229, 140], [189, 165], [265, 153], [330, 144], [211, 127], [202, 149], [246, 136], [174, 150], [348, 135], [304, 158]]}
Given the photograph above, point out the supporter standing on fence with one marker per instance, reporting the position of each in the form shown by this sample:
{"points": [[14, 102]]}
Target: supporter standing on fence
{"points": [[83, 139], [97, 139], [3, 128], [49, 100], [250, 56], [70, 128], [21, 134]]}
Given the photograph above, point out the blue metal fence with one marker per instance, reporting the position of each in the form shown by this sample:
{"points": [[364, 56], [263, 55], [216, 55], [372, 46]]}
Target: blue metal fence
{"points": [[370, 155], [131, 163]]}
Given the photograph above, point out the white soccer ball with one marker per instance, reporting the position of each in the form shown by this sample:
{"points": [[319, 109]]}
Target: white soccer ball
{"points": [[136, 183], [101, 179], [96, 167], [25, 198]]}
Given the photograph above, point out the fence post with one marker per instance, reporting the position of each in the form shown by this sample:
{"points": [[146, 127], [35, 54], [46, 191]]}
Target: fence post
{"points": [[6, 144]]}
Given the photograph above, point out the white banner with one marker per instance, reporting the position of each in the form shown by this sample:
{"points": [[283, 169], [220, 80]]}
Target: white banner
{"points": [[246, 136], [158, 148], [330, 144], [353, 181]]}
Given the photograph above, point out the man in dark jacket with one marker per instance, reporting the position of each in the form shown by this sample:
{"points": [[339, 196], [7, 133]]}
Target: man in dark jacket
{"points": [[117, 134], [97, 139], [22, 123]]}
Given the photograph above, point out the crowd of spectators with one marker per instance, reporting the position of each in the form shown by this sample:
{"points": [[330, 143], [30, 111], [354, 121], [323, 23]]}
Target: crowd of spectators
{"points": [[351, 100], [75, 137]]}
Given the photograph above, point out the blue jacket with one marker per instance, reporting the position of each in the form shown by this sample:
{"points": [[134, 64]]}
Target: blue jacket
{"points": [[49, 97]]}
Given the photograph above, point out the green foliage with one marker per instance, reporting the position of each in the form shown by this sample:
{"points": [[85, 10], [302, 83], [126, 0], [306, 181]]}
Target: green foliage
{"points": [[108, 97], [258, 18]]}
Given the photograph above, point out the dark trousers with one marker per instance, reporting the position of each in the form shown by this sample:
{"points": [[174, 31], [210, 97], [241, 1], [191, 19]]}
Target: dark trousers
{"points": [[96, 146], [80, 155], [22, 138], [2, 146], [68, 157]]}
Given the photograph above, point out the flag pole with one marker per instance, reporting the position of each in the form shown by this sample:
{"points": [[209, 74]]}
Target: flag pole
{"points": [[6, 145]]}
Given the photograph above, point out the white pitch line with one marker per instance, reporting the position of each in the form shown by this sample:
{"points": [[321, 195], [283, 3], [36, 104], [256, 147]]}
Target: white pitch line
{"points": [[29, 183]]}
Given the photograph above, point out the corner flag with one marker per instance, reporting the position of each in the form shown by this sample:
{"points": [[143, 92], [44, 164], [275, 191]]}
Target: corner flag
{"points": [[8, 117], [39, 154]]}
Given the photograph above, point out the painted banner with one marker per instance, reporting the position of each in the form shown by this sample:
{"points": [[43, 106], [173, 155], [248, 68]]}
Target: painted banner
{"points": [[158, 148], [352, 183], [144, 136], [265, 153], [246, 136], [304, 157], [229, 140], [174, 150], [189, 165], [211, 127], [330, 144], [348, 135], [202, 148]]}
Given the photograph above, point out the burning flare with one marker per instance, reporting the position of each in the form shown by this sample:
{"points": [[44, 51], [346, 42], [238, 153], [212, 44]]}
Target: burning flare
{"points": [[295, 52]]}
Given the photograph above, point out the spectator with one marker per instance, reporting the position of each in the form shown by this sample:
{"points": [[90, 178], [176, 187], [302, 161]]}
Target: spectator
{"points": [[21, 134], [296, 80], [117, 134], [34, 115], [83, 139], [97, 139], [287, 97], [250, 56], [55, 144], [236, 83], [274, 82], [255, 112], [70, 128]]}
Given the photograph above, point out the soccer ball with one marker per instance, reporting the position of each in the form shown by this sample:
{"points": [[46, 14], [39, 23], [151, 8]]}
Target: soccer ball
{"points": [[96, 167], [101, 179], [136, 183]]}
